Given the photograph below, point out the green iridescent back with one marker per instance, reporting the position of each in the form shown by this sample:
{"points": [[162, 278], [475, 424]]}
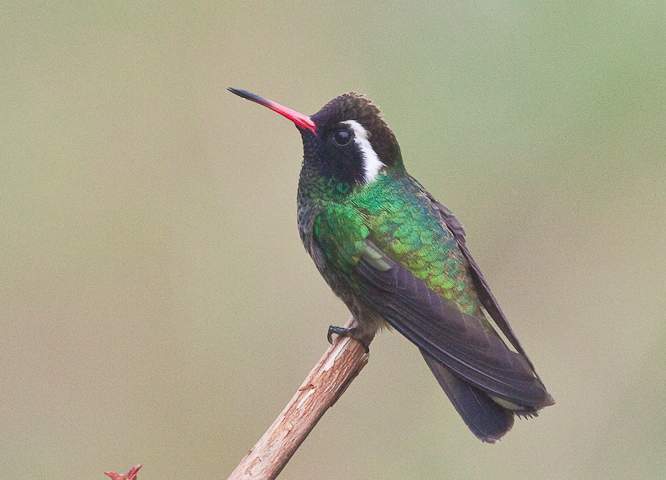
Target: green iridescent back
{"points": [[399, 219]]}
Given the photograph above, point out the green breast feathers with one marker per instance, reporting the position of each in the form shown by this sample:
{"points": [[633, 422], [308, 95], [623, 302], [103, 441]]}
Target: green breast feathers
{"points": [[392, 217]]}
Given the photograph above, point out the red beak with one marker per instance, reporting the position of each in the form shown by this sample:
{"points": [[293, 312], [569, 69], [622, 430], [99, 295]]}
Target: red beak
{"points": [[301, 120]]}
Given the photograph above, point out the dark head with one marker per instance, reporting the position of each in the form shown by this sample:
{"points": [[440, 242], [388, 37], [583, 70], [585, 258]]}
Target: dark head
{"points": [[347, 140]]}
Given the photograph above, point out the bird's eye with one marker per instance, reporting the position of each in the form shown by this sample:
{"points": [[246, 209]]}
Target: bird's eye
{"points": [[342, 138]]}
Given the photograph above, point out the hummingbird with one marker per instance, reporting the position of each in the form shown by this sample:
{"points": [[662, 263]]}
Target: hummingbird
{"points": [[399, 258]]}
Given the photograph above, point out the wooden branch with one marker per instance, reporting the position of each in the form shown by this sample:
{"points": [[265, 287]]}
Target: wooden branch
{"points": [[327, 381]]}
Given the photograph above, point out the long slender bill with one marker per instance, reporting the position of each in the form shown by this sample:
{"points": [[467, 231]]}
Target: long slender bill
{"points": [[301, 120]]}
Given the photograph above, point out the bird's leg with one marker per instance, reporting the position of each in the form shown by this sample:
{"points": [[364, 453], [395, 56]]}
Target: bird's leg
{"points": [[342, 331], [353, 332]]}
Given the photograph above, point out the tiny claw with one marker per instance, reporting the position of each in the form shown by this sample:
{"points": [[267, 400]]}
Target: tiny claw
{"points": [[345, 332], [342, 331]]}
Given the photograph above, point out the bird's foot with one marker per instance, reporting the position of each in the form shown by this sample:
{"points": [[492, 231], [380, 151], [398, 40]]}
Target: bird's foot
{"points": [[347, 332]]}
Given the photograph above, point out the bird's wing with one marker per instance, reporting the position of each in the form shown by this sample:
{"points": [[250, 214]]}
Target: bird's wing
{"points": [[486, 296], [460, 341]]}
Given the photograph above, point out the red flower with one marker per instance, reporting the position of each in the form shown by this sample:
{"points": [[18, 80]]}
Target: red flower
{"points": [[130, 475]]}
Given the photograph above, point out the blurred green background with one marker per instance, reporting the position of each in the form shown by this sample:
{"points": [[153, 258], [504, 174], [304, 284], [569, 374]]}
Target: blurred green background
{"points": [[157, 305]]}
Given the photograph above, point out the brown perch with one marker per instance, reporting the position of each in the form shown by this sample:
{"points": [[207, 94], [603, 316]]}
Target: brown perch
{"points": [[327, 381]]}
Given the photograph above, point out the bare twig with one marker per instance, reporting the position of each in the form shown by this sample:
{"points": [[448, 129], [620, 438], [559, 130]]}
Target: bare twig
{"points": [[329, 378]]}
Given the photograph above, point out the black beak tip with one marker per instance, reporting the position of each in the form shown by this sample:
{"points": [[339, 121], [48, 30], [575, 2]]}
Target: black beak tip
{"points": [[246, 95]]}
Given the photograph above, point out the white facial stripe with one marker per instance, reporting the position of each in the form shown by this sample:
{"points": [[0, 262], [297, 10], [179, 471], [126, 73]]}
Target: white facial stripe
{"points": [[371, 162]]}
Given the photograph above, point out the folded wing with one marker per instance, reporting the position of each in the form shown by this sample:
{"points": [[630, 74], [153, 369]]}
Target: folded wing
{"points": [[459, 341]]}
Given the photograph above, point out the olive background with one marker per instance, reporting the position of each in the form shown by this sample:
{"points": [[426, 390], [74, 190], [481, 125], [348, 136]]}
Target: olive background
{"points": [[157, 307]]}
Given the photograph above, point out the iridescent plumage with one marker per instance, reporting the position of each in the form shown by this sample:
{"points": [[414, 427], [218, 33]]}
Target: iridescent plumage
{"points": [[394, 214], [395, 255]]}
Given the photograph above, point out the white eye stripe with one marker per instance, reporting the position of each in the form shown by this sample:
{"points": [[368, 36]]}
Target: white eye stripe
{"points": [[371, 162]]}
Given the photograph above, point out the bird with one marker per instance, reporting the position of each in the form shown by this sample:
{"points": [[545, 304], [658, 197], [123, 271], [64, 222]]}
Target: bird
{"points": [[398, 258]]}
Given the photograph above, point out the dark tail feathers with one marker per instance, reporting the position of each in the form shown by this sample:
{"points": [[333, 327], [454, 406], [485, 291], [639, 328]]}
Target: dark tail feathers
{"points": [[485, 418]]}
